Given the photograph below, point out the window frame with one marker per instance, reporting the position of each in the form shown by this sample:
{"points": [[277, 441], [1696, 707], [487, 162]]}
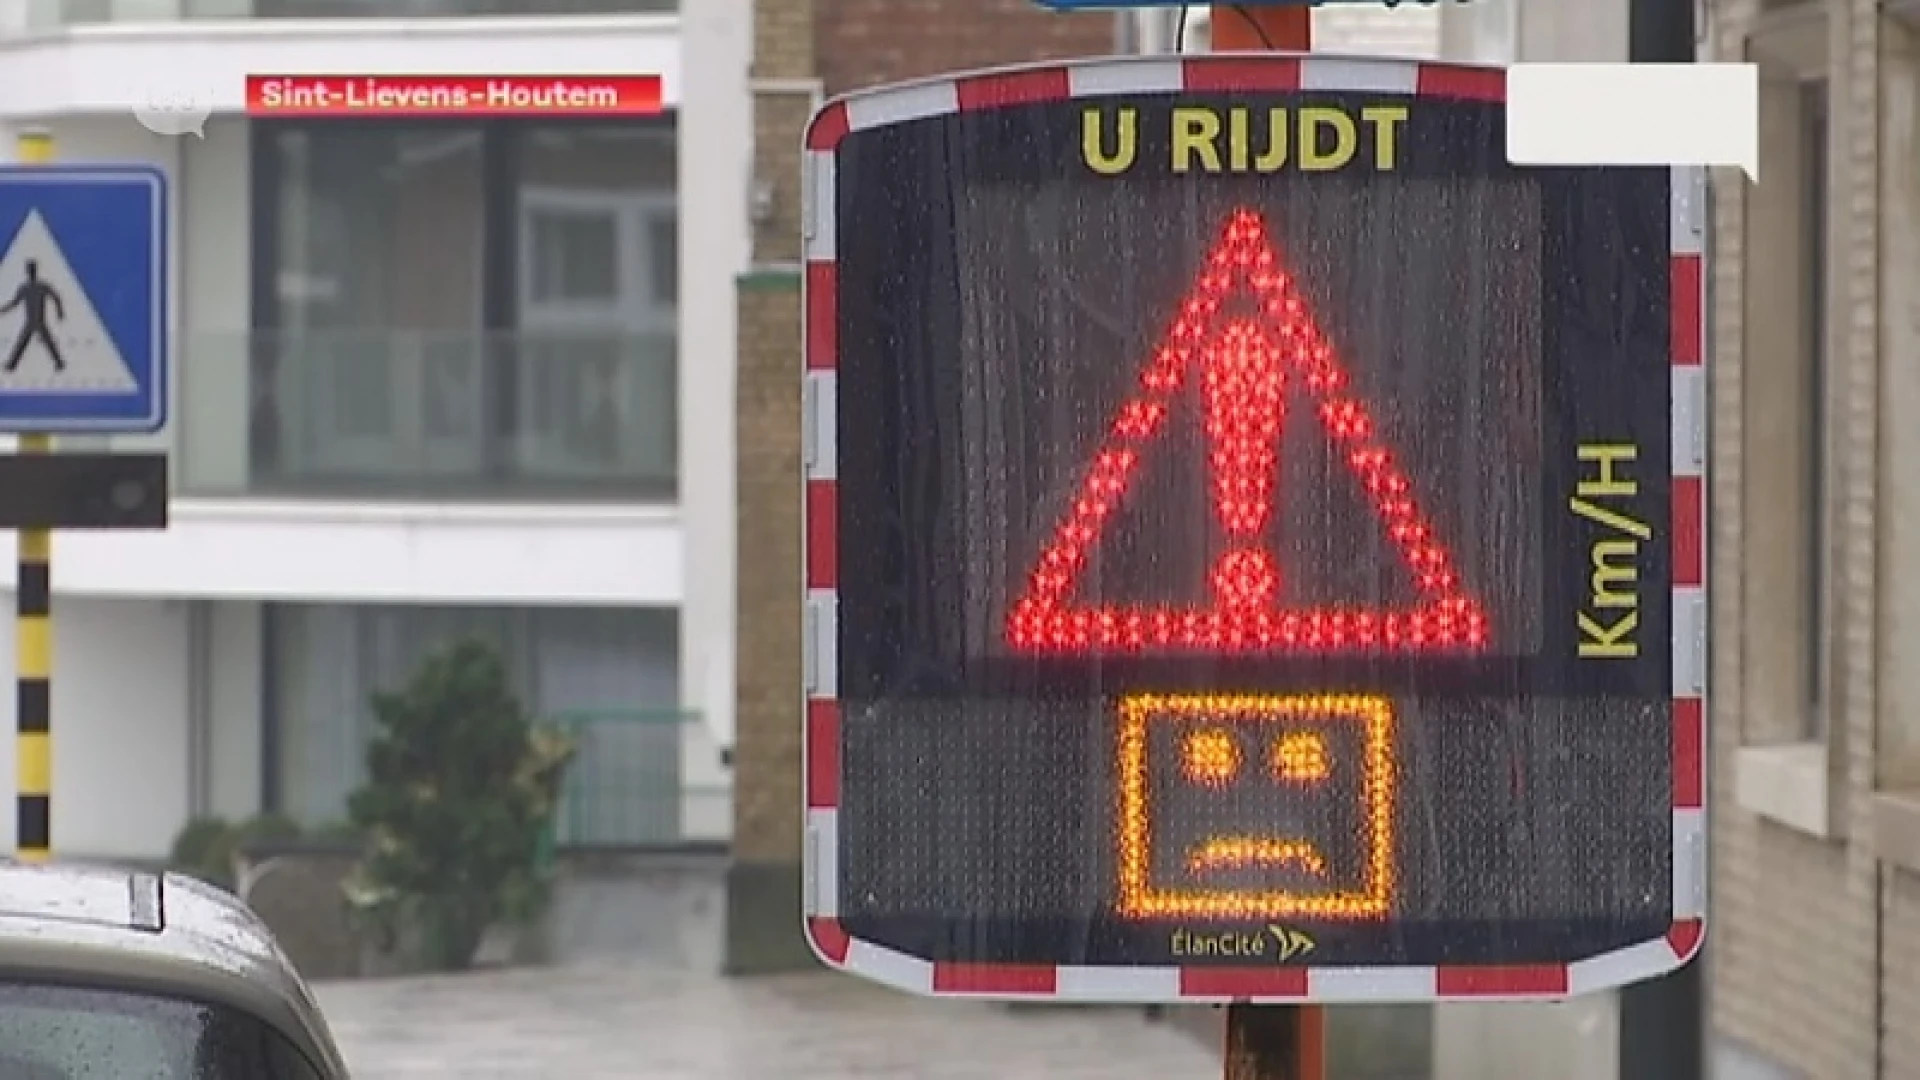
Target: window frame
{"points": [[1790, 764], [1817, 345], [486, 459]]}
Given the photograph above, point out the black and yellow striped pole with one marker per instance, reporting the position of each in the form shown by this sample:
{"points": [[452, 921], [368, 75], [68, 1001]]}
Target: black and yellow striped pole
{"points": [[33, 643]]}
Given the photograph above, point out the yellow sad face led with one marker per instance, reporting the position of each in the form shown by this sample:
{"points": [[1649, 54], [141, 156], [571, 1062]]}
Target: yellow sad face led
{"points": [[1256, 806]]}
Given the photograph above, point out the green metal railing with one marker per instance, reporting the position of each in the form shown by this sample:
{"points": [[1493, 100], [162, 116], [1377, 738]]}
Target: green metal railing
{"points": [[631, 782]]}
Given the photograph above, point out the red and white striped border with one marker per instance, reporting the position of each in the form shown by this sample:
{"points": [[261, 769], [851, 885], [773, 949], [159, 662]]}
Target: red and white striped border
{"points": [[820, 752]]}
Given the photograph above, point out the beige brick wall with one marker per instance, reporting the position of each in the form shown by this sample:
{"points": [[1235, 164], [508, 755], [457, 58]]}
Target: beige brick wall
{"points": [[779, 120], [763, 888], [1901, 959], [1899, 515], [1898, 747], [767, 757], [1796, 928], [783, 39]]}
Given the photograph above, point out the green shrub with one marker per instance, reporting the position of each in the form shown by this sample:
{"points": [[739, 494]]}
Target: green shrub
{"points": [[342, 833], [203, 848], [267, 828], [461, 785]]}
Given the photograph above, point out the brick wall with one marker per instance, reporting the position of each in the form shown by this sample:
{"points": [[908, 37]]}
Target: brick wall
{"points": [[1793, 942], [1900, 1022], [864, 42], [763, 883], [1899, 758], [766, 758]]}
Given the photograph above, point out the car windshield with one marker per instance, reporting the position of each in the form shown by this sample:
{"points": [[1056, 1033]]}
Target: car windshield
{"points": [[50, 1032]]}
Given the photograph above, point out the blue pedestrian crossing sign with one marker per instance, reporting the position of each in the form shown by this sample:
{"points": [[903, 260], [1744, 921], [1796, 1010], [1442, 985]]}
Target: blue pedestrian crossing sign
{"points": [[83, 299]]}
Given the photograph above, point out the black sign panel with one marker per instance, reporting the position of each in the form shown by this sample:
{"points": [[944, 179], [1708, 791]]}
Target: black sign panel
{"points": [[1217, 487], [83, 490]]}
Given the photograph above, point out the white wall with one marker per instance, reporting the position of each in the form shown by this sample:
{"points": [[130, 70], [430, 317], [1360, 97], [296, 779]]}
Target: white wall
{"points": [[119, 727], [410, 553], [716, 147], [233, 696], [215, 294]]}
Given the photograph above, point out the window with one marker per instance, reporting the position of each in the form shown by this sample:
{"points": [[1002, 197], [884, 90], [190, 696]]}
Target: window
{"points": [[1814, 346], [663, 258], [328, 660], [1790, 767], [572, 258], [52, 1032], [379, 227], [465, 307], [1785, 358], [598, 302]]}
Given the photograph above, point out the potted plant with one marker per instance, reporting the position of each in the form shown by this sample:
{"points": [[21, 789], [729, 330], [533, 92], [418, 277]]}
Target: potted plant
{"points": [[461, 787]]}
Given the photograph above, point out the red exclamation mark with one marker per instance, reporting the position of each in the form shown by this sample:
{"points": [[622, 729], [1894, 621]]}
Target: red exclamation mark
{"points": [[1244, 396]]}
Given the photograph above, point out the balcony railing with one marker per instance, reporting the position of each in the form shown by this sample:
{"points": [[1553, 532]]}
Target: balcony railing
{"points": [[47, 14], [407, 414], [628, 784]]}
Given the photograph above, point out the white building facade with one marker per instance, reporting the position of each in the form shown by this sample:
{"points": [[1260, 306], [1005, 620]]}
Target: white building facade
{"points": [[432, 377]]}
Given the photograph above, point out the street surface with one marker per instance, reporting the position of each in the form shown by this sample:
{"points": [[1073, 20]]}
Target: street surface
{"points": [[641, 1022]]}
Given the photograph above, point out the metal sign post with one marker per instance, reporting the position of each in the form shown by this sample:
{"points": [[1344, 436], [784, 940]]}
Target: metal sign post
{"points": [[33, 643], [1249, 559], [83, 319], [1663, 1021]]}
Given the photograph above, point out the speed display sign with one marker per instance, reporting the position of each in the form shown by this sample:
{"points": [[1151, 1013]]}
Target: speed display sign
{"points": [[1254, 540]]}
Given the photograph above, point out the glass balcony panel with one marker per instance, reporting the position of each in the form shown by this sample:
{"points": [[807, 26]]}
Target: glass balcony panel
{"points": [[414, 414]]}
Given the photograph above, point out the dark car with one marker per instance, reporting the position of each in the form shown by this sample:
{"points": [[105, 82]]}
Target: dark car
{"points": [[140, 976]]}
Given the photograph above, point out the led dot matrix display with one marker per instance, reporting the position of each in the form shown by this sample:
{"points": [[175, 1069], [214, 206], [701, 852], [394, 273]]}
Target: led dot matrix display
{"points": [[1202, 566], [1363, 890], [1244, 366]]}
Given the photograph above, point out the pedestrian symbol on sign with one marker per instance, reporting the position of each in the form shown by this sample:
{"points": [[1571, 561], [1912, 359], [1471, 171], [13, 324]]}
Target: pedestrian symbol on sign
{"points": [[50, 324], [34, 295]]}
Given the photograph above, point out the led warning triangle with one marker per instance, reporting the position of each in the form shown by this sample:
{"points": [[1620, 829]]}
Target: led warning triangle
{"points": [[90, 361], [1244, 366]]}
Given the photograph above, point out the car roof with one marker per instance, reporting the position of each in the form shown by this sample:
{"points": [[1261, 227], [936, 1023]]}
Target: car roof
{"points": [[167, 934]]}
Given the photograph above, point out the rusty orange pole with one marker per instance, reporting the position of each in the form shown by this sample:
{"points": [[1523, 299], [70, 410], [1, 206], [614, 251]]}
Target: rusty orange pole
{"points": [[1276, 1042], [1270, 1042], [1245, 28]]}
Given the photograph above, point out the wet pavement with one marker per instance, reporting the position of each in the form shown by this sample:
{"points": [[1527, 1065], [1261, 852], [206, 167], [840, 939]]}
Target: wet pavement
{"points": [[641, 1022]]}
